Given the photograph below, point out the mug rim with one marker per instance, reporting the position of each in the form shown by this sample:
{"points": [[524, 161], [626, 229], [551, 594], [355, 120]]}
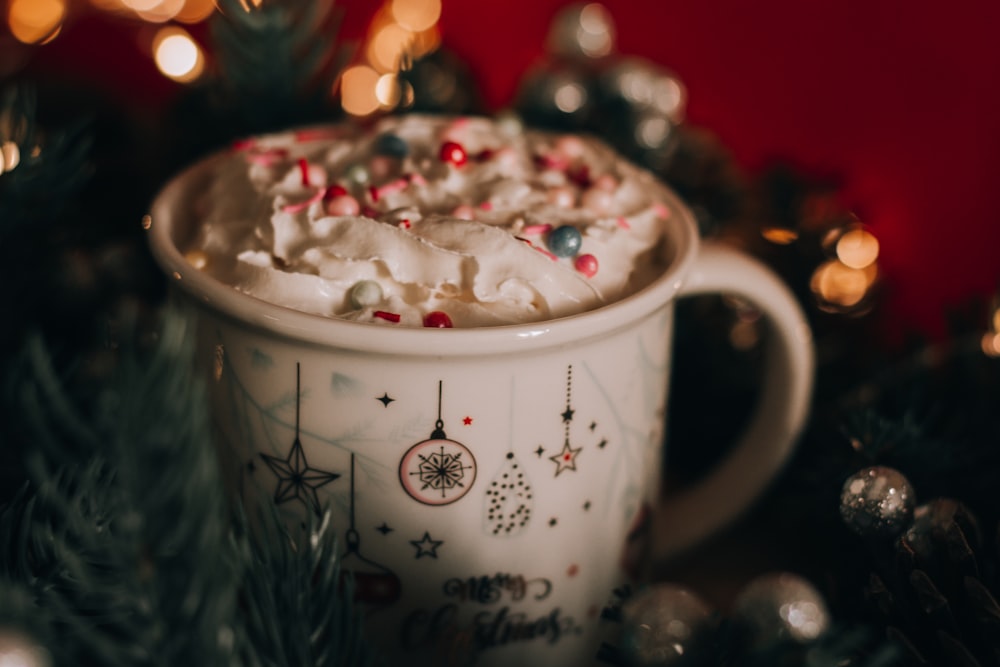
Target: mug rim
{"points": [[166, 215]]}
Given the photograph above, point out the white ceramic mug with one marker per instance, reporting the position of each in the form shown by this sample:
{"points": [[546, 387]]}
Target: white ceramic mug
{"points": [[491, 486]]}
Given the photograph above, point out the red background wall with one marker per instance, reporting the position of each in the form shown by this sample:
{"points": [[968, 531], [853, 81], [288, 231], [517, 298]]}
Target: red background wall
{"points": [[899, 100]]}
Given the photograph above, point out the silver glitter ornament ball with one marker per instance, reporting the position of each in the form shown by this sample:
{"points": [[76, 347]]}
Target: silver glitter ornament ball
{"points": [[780, 607], [877, 502], [663, 624]]}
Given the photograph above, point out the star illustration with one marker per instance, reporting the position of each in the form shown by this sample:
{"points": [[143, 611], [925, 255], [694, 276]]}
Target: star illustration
{"points": [[426, 546], [567, 415], [566, 459], [384, 528], [386, 399], [296, 480], [467, 421], [540, 451]]}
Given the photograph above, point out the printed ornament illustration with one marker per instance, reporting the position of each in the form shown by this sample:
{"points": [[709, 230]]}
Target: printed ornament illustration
{"points": [[437, 471], [375, 586], [508, 496], [297, 480]]}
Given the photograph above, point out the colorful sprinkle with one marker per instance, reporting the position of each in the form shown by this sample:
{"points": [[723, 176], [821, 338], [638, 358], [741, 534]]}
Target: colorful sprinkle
{"points": [[486, 206], [452, 152], [437, 320], [464, 212], [244, 144], [387, 316], [581, 176], [267, 157], [544, 252], [565, 241], [304, 171], [369, 212], [365, 293], [416, 179], [586, 264], [537, 229], [404, 224], [373, 193], [484, 155], [391, 145], [397, 185], [623, 223], [316, 134], [661, 210]]}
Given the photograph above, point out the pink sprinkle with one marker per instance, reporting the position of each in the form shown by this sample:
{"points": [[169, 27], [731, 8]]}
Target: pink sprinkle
{"points": [[661, 210], [304, 170], [546, 253], [555, 162], [395, 186], [373, 192], [464, 212], [314, 134], [486, 206], [623, 223], [303, 205], [404, 224], [537, 229], [369, 212], [416, 179], [389, 317], [586, 264]]}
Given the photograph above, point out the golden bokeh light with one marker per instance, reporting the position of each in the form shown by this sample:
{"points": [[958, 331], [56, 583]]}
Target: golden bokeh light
{"points": [[991, 344], [177, 55], [10, 156], [388, 91], [839, 285], [779, 235], [357, 90], [140, 6], [162, 11], [35, 21], [387, 47], [416, 15], [570, 97], [857, 248], [195, 11]]}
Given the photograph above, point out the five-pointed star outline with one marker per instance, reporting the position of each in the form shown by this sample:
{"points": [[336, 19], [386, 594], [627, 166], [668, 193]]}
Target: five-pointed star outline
{"points": [[296, 480], [426, 546], [566, 459]]}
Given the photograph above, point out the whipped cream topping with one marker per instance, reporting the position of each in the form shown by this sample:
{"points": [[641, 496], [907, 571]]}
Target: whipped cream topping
{"points": [[431, 221]]}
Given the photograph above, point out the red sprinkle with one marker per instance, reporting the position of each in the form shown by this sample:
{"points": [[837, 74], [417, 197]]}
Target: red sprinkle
{"points": [[304, 170], [404, 224], [315, 134], [537, 229], [373, 192], [266, 157], [243, 144], [586, 264], [369, 212], [486, 206], [623, 223], [546, 253], [437, 320], [389, 317], [661, 210], [334, 191], [558, 163], [484, 155], [452, 151]]}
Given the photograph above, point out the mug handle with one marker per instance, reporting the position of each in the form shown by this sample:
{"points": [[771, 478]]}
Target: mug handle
{"points": [[691, 515]]}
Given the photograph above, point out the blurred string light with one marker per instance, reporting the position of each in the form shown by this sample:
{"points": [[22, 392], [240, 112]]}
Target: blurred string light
{"points": [[401, 32], [160, 11], [35, 21], [991, 338], [842, 283], [10, 156], [177, 55]]}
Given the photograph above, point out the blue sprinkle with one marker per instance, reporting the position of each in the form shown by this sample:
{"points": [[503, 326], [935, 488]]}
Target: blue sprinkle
{"points": [[392, 145], [564, 241]]}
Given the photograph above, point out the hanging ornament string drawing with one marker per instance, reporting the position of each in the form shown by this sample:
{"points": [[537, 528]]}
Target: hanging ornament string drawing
{"points": [[508, 497], [374, 585], [566, 458], [296, 480], [437, 471]]}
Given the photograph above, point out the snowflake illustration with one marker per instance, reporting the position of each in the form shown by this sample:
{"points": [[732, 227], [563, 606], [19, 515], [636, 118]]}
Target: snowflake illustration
{"points": [[437, 472]]}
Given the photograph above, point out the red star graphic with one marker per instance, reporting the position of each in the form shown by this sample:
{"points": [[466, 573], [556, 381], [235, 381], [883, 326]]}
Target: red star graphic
{"points": [[467, 421]]}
